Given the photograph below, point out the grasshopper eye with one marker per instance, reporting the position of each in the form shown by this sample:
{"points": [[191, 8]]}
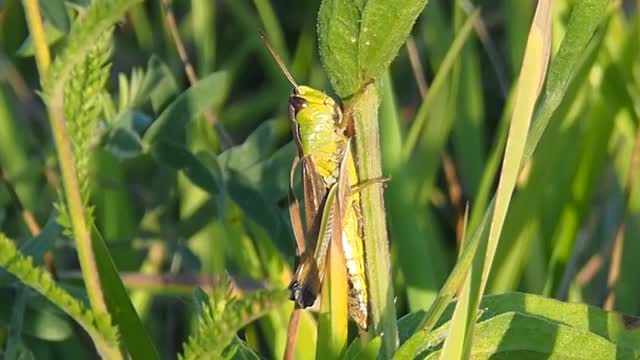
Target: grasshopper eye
{"points": [[297, 102]]}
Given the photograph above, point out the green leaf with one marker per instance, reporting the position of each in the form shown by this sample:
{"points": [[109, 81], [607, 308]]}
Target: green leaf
{"points": [[516, 336], [620, 329], [55, 12], [206, 176], [16, 323], [42, 319], [207, 92], [51, 35], [124, 139], [359, 39], [256, 176], [38, 246], [369, 351], [134, 336]]}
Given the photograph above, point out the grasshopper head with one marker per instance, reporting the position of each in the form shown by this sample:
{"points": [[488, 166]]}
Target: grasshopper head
{"points": [[303, 97]]}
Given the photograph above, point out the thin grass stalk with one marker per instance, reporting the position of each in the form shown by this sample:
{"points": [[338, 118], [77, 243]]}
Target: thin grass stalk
{"points": [[81, 230]]}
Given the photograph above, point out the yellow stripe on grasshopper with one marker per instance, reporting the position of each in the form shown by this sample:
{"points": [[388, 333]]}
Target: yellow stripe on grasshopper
{"points": [[353, 247]]}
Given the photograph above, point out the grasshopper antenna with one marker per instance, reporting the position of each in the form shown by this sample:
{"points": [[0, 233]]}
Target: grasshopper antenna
{"points": [[275, 55]]}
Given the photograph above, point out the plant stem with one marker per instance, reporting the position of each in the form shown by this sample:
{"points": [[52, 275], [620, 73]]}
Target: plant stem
{"points": [[81, 231], [34, 21], [369, 162]]}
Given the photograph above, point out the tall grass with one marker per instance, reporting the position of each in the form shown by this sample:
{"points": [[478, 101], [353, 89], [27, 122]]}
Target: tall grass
{"points": [[152, 141]]}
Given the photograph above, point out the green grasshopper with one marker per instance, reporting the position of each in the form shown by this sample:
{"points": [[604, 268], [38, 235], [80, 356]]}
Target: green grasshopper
{"points": [[332, 209]]}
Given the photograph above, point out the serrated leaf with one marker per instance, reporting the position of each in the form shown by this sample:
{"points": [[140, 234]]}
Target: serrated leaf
{"points": [[359, 39]]}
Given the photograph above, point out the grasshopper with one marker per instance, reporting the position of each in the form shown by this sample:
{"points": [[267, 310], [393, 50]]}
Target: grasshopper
{"points": [[332, 208]]}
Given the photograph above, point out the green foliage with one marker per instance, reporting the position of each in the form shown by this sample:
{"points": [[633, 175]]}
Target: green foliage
{"points": [[514, 335], [359, 39], [98, 326], [174, 209], [222, 315], [527, 323]]}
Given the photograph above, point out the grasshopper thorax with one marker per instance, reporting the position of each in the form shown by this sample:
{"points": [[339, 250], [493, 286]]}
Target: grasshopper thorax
{"points": [[317, 122]]}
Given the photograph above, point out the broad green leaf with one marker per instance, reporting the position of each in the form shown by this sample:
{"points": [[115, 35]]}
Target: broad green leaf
{"points": [[621, 330], [368, 351], [359, 39], [514, 335], [206, 176], [256, 176], [55, 12], [207, 92]]}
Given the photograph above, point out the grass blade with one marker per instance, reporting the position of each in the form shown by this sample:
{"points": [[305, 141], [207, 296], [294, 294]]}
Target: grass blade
{"points": [[532, 74]]}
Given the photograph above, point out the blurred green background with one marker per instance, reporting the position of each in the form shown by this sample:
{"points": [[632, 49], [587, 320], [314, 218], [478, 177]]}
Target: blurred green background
{"points": [[167, 235]]}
